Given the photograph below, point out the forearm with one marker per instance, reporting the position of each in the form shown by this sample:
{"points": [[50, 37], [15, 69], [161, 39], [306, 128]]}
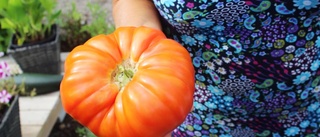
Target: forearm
{"points": [[135, 13]]}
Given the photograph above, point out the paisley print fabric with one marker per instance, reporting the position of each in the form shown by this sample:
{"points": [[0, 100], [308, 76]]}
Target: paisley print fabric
{"points": [[257, 65]]}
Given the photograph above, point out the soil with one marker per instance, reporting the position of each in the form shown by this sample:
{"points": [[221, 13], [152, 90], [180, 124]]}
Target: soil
{"points": [[67, 128], [3, 110]]}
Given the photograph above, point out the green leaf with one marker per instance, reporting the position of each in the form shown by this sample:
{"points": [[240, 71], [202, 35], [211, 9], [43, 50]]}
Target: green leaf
{"points": [[28, 18], [35, 25], [7, 24], [76, 15], [55, 15], [49, 5], [3, 3], [14, 3]]}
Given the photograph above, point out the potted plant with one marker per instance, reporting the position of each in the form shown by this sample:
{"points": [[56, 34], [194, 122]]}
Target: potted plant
{"points": [[73, 24], [70, 23], [35, 43], [9, 102]]}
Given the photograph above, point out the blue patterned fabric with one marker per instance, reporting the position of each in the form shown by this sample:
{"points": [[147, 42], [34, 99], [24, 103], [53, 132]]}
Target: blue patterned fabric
{"points": [[257, 65]]}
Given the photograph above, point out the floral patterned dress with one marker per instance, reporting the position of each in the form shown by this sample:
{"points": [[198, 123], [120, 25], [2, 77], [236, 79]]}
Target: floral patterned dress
{"points": [[257, 65]]}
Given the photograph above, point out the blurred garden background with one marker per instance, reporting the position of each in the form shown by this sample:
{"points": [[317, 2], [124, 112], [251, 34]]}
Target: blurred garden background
{"points": [[35, 38], [90, 16]]}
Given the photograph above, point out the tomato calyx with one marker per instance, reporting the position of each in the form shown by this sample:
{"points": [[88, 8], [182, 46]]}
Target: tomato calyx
{"points": [[124, 73]]}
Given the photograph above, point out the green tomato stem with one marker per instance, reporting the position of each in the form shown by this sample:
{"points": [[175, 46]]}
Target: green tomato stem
{"points": [[124, 74]]}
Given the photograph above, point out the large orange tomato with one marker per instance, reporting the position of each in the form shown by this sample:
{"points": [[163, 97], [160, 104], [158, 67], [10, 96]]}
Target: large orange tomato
{"points": [[134, 82]]}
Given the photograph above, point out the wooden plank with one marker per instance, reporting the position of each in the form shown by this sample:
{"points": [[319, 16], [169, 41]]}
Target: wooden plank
{"points": [[41, 102], [38, 114], [51, 120], [30, 131], [33, 117]]}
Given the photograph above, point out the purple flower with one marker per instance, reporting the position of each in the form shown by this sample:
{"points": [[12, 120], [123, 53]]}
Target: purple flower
{"points": [[4, 70], [181, 1], [293, 28], [277, 53], [203, 6], [5, 96], [262, 16], [300, 43], [220, 5], [291, 101]]}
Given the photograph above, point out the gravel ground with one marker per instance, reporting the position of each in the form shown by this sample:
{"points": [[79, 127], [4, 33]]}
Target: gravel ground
{"points": [[64, 5]]}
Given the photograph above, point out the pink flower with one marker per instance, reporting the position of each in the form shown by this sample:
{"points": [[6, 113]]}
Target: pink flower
{"points": [[190, 5], [4, 69], [5, 96], [208, 46]]}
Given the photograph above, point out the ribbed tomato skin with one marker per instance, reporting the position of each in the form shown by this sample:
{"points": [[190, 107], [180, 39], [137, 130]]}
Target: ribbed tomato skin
{"points": [[155, 101]]}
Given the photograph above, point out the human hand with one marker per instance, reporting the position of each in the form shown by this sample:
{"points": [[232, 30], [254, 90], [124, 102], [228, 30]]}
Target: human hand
{"points": [[135, 13], [168, 135]]}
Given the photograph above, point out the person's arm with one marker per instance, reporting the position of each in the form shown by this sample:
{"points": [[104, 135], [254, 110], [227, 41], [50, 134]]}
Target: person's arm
{"points": [[135, 13]]}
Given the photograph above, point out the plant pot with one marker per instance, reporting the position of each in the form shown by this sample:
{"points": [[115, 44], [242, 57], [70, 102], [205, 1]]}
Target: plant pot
{"points": [[40, 57], [10, 124], [43, 83]]}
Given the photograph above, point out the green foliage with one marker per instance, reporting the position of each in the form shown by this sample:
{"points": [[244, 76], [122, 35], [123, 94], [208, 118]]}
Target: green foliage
{"points": [[8, 84], [11, 87], [77, 28], [97, 24], [84, 132], [29, 20], [70, 23], [5, 37]]}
